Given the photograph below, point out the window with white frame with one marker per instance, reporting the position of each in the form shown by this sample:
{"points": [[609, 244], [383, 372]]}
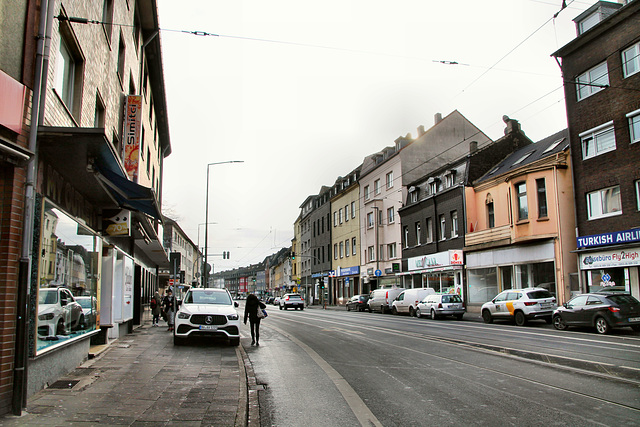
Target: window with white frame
{"points": [[370, 220], [376, 187], [65, 74], [335, 218], [346, 213], [353, 246], [638, 194], [450, 178], [391, 250], [353, 209], [523, 205], [366, 192], [381, 252], [335, 251], [347, 248], [454, 224], [598, 141], [592, 81], [391, 218], [370, 254], [634, 126], [631, 60], [429, 230], [341, 250], [604, 203], [389, 180], [405, 236], [413, 196], [443, 227], [418, 233], [340, 215], [433, 187]]}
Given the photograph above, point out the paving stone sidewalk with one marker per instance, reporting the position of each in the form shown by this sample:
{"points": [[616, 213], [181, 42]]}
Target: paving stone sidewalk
{"points": [[143, 380]]}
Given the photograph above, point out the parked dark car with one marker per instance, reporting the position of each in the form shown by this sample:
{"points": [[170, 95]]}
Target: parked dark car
{"points": [[270, 300], [358, 303], [600, 310]]}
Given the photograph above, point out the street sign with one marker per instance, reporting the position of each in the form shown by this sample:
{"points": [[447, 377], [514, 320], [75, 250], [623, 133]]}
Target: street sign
{"points": [[378, 273]]}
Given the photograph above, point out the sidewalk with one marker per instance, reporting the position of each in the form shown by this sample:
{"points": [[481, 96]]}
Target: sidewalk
{"points": [[142, 380]]}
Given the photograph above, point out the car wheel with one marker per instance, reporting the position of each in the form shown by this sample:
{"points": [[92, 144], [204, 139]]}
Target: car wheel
{"points": [[433, 315], [370, 311], [394, 311], [285, 307], [60, 328], [559, 324], [459, 316], [301, 308], [520, 319], [280, 307], [486, 316], [602, 327], [418, 313], [234, 342], [636, 328], [411, 312]]}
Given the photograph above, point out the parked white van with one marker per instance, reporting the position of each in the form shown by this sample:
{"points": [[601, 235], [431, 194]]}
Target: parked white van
{"points": [[407, 301], [381, 299]]}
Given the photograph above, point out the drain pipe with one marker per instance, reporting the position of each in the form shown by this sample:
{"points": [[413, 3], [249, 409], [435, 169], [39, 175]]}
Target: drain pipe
{"points": [[19, 396]]}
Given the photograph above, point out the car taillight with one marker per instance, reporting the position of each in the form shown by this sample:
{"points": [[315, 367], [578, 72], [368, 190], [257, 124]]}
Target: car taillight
{"points": [[286, 299], [439, 305], [614, 309], [530, 303]]}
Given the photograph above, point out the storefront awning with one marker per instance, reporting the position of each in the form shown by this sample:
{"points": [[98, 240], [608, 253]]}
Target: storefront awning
{"points": [[84, 155]]}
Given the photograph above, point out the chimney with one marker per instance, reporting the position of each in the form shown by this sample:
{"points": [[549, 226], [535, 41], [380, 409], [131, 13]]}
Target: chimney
{"points": [[512, 125], [473, 147], [437, 118], [421, 131]]}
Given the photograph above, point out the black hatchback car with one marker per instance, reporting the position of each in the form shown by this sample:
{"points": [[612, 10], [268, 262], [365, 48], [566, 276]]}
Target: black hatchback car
{"points": [[601, 310], [358, 303]]}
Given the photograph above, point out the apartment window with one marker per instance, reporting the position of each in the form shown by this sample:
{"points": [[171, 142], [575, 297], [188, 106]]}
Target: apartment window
{"points": [[604, 203], [391, 250], [433, 187], [370, 220], [634, 126], [413, 196], [340, 215], [592, 81], [381, 252], [376, 187], [341, 250], [379, 217], [353, 209], [391, 216], [346, 213], [450, 179], [335, 251], [443, 227], [353, 246], [631, 60], [429, 227], [107, 18], [121, 58], [65, 82], [405, 236], [98, 120], [589, 22], [491, 220], [389, 180], [347, 249], [638, 195], [542, 198], [454, 224], [523, 206], [418, 233], [371, 254], [335, 218], [598, 141], [366, 192]]}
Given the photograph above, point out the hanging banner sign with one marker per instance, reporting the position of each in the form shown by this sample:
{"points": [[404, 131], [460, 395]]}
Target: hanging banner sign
{"points": [[131, 146]]}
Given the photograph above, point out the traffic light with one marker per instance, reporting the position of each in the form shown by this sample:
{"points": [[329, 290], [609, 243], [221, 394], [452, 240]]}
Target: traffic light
{"points": [[225, 255], [293, 255]]}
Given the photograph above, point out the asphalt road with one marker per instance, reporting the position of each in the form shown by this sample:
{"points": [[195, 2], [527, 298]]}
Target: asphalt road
{"points": [[339, 368]]}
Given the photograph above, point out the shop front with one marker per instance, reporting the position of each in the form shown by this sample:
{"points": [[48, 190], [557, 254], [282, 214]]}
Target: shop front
{"points": [[610, 262], [442, 271], [347, 283]]}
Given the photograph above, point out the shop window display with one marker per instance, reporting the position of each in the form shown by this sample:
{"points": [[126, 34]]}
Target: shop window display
{"points": [[68, 274]]}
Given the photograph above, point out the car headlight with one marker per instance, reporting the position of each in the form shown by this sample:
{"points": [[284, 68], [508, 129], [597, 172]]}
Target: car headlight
{"points": [[182, 315], [47, 316], [232, 316]]}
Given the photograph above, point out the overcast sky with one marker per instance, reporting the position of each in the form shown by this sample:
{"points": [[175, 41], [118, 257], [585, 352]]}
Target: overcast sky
{"points": [[302, 91]]}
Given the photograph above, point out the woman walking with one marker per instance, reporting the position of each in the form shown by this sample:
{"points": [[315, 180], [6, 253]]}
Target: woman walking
{"points": [[251, 308], [156, 309], [167, 305]]}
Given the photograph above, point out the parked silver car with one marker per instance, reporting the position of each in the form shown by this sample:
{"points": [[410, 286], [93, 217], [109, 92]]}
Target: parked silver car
{"points": [[441, 305], [520, 305], [58, 312], [291, 301]]}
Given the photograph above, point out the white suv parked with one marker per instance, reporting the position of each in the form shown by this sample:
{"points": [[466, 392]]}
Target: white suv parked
{"points": [[520, 305], [291, 301]]}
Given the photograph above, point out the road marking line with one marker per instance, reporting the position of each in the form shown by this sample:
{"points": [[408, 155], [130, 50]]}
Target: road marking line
{"points": [[359, 408]]}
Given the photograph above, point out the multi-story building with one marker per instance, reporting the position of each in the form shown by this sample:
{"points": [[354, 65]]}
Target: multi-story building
{"points": [[601, 73], [320, 218], [98, 173], [521, 228], [383, 188], [176, 241], [345, 238]]}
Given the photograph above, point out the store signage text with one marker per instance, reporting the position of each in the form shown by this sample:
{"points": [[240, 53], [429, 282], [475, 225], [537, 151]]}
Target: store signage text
{"points": [[131, 144], [611, 259], [616, 237]]}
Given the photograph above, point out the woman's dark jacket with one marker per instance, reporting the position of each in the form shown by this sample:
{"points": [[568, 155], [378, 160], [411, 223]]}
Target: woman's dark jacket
{"points": [[251, 308]]}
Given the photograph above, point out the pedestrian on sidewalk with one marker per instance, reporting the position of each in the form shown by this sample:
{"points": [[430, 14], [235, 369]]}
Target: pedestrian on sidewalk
{"points": [[156, 308], [167, 305], [251, 308]]}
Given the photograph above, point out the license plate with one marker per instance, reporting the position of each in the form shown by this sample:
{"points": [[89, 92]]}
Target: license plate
{"points": [[453, 307], [634, 319], [208, 328], [545, 305]]}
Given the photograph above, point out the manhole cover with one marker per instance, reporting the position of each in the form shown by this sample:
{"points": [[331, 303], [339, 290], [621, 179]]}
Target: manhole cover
{"points": [[64, 384]]}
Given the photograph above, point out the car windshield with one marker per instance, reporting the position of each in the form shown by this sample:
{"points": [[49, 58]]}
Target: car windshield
{"points": [[84, 302], [623, 299], [451, 298], [48, 296], [539, 294], [207, 297]]}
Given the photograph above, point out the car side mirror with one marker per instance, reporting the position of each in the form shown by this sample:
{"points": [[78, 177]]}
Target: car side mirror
{"points": [[235, 303], [565, 305]]}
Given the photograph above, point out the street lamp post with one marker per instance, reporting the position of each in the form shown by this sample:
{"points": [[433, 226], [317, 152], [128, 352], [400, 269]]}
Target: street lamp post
{"points": [[206, 221]]}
